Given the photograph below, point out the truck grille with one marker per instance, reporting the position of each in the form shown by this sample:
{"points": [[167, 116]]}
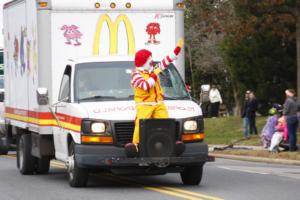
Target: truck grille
{"points": [[124, 132]]}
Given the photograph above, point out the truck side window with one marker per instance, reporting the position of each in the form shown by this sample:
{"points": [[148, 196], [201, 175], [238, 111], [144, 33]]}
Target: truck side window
{"points": [[65, 85]]}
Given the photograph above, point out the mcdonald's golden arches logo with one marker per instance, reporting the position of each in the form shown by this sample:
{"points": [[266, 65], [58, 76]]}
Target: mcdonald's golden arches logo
{"points": [[113, 34]]}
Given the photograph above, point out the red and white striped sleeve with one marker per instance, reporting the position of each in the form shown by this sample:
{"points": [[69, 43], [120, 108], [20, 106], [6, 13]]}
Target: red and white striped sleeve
{"points": [[138, 81], [169, 59]]}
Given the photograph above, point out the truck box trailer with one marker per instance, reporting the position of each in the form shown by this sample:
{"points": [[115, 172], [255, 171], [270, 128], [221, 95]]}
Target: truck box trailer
{"points": [[67, 79]]}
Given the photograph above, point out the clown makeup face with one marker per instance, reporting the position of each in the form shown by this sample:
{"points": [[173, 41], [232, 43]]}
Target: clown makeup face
{"points": [[148, 66]]}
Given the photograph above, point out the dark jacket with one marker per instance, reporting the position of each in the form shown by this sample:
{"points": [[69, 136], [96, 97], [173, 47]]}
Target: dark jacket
{"points": [[291, 106], [244, 109], [251, 108]]}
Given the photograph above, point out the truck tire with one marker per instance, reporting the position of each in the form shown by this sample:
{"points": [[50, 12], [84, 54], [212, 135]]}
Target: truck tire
{"points": [[192, 175], [43, 165], [78, 177], [25, 161], [3, 147]]}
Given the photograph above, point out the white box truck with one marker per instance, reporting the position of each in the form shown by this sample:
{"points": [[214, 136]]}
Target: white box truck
{"points": [[68, 65]]}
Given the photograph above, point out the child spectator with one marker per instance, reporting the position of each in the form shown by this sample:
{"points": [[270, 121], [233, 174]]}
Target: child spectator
{"points": [[280, 134], [269, 129]]}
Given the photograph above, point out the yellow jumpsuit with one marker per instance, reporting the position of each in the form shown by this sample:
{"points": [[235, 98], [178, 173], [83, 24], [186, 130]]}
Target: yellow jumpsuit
{"points": [[149, 104]]}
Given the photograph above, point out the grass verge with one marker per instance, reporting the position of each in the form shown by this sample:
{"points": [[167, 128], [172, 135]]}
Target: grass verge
{"points": [[226, 130]]}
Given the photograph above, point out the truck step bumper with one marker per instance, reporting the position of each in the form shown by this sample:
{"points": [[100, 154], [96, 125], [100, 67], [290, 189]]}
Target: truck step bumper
{"points": [[99, 156]]}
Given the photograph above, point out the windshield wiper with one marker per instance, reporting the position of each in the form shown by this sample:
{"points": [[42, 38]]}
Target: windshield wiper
{"points": [[97, 97], [170, 98], [176, 98]]}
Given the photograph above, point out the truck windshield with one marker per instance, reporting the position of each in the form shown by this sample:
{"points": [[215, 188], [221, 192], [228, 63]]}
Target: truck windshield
{"points": [[111, 82]]}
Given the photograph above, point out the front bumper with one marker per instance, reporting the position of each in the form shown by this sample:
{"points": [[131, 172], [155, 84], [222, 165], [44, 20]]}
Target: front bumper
{"points": [[97, 156]]}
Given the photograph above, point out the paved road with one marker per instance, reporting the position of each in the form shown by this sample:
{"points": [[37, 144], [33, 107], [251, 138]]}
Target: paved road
{"points": [[224, 179]]}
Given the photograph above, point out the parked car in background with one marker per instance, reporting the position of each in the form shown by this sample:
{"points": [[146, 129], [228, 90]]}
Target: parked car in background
{"points": [[2, 126], [3, 145]]}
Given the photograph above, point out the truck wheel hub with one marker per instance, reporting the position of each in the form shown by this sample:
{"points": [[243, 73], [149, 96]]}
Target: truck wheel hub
{"points": [[70, 164]]}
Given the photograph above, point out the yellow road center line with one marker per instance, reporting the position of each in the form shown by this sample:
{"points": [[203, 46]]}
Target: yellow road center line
{"points": [[171, 193], [191, 193], [8, 156], [150, 188], [58, 166], [175, 189], [58, 163], [158, 188]]}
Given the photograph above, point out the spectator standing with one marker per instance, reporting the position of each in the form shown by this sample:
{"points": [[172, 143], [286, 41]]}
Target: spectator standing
{"points": [[251, 113], [243, 115], [290, 109], [215, 100], [204, 99]]}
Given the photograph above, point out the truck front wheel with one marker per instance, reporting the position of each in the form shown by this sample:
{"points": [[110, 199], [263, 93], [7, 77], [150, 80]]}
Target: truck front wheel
{"points": [[78, 177], [25, 161], [192, 175]]}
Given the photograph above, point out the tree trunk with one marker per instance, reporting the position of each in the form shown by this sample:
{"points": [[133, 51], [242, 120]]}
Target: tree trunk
{"points": [[191, 68], [298, 48], [237, 102]]}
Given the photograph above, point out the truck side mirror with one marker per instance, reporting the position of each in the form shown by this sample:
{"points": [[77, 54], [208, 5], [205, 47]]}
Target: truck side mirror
{"points": [[42, 96]]}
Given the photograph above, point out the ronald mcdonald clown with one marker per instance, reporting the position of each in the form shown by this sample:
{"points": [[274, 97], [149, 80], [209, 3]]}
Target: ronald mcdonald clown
{"points": [[148, 94]]}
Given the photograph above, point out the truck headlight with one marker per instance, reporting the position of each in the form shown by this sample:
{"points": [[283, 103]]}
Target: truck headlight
{"points": [[98, 127], [190, 125]]}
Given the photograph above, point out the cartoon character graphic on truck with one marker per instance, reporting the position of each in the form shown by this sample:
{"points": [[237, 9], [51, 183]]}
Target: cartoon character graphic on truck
{"points": [[16, 52], [153, 29], [72, 33], [22, 50]]}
